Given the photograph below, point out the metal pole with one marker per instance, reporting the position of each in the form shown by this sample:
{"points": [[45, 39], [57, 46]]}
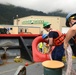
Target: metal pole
{"points": [[17, 19]]}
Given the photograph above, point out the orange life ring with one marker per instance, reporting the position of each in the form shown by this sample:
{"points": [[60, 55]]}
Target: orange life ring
{"points": [[38, 56]]}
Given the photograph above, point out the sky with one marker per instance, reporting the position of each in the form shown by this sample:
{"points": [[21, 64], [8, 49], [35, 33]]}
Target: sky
{"points": [[44, 5]]}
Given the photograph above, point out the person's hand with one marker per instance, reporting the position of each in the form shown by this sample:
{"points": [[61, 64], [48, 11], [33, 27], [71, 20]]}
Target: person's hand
{"points": [[65, 45]]}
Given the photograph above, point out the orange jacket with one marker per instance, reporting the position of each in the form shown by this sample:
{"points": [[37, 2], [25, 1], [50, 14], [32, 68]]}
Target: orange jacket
{"points": [[60, 39]]}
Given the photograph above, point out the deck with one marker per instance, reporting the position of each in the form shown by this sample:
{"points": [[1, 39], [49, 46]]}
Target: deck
{"points": [[11, 67]]}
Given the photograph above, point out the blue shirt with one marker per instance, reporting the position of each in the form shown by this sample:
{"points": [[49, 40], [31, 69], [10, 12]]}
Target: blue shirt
{"points": [[53, 34]]}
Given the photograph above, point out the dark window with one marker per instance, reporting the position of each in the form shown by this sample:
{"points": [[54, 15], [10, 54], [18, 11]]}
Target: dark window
{"points": [[25, 30]]}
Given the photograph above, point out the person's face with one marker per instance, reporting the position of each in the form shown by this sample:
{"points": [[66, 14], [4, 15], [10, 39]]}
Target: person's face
{"points": [[72, 22], [47, 39], [47, 29]]}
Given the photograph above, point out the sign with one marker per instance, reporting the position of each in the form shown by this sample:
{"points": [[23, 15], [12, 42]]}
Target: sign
{"points": [[33, 22]]}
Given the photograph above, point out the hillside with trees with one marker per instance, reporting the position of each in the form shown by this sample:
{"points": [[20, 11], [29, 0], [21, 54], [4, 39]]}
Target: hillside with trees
{"points": [[9, 12]]}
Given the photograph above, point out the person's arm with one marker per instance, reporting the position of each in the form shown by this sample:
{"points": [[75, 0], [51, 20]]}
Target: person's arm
{"points": [[50, 37], [50, 44], [71, 32]]}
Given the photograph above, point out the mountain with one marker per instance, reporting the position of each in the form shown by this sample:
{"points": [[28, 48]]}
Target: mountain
{"points": [[58, 13], [10, 12]]}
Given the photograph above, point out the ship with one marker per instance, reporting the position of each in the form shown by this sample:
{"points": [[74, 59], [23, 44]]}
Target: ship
{"points": [[24, 46]]}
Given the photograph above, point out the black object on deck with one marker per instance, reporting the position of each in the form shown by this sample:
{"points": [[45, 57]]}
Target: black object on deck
{"points": [[26, 51]]}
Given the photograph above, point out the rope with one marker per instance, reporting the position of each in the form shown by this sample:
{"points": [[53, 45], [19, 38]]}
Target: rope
{"points": [[68, 55]]}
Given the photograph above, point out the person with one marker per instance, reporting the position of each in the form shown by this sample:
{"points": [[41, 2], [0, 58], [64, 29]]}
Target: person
{"points": [[8, 31], [45, 45], [56, 38], [45, 36], [71, 34], [40, 46]]}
